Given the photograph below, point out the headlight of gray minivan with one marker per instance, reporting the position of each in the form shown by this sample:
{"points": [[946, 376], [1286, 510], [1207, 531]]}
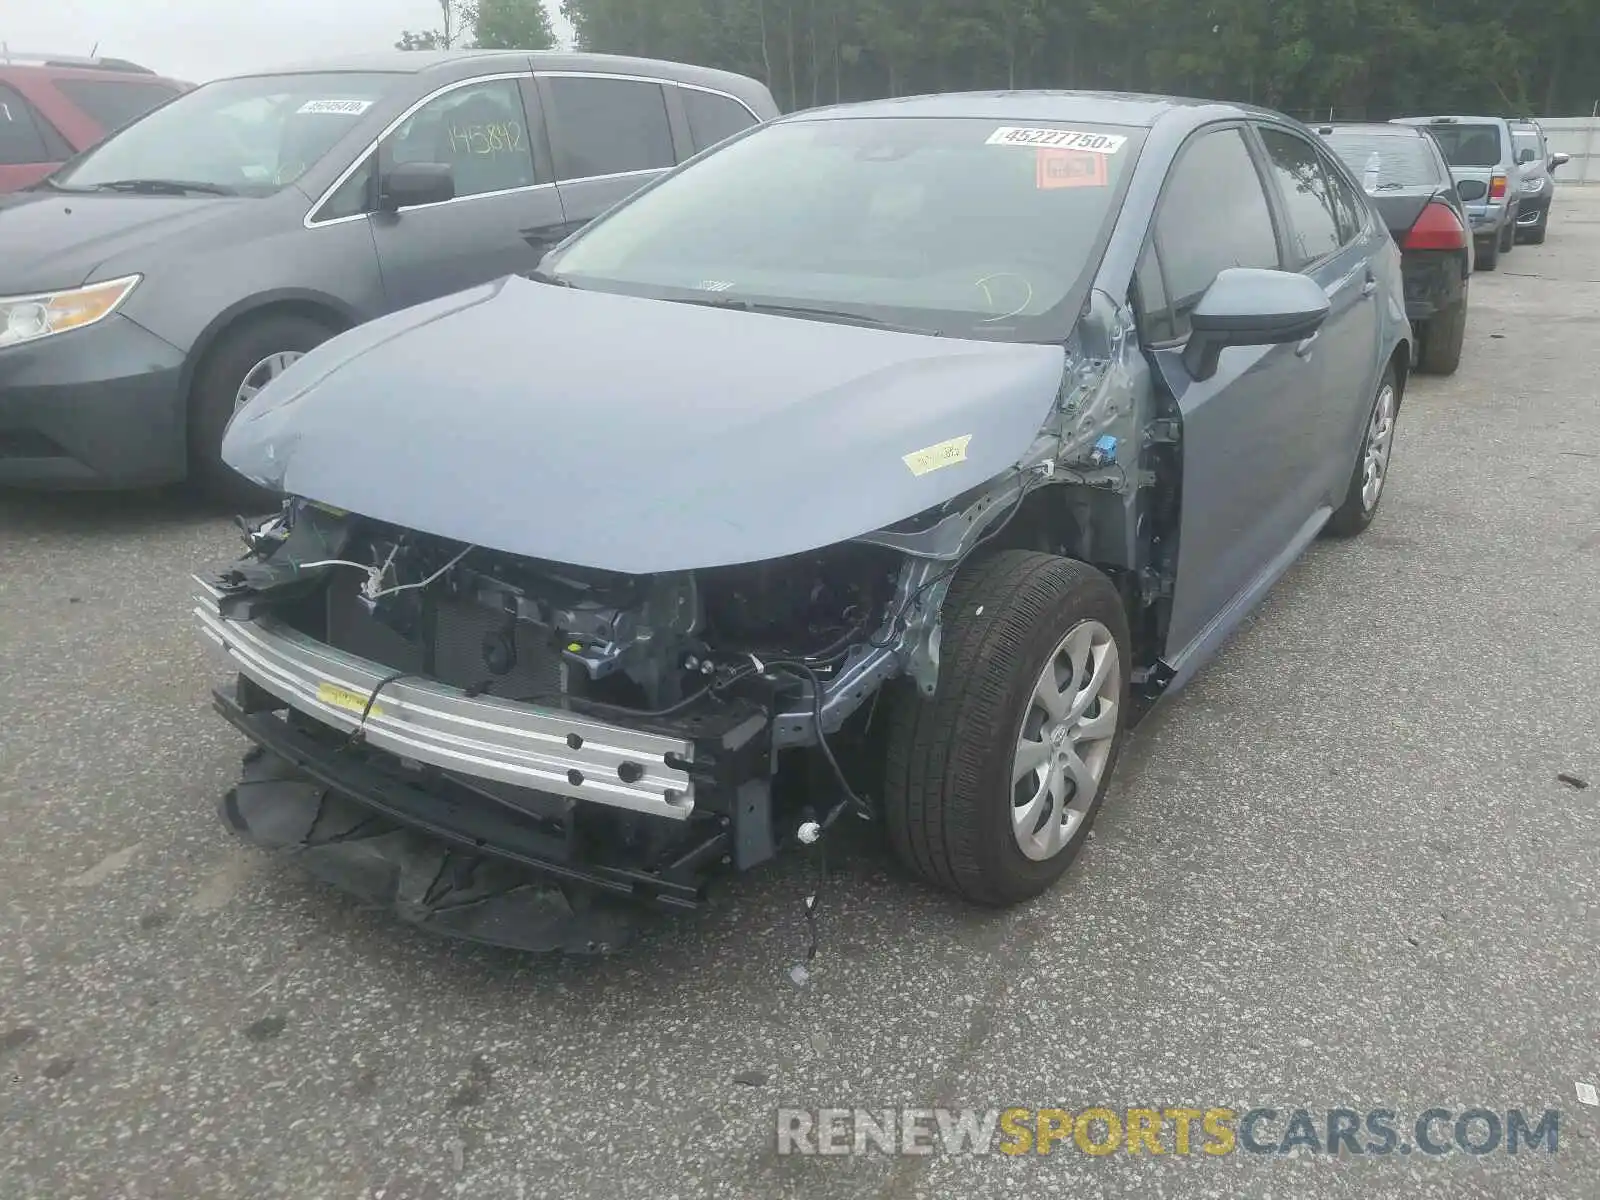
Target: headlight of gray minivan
{"points": [[29, 318]]}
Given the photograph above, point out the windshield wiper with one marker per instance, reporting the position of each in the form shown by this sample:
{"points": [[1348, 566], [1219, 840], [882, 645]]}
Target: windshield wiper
{"points": [[839, 316], [165, 187]]}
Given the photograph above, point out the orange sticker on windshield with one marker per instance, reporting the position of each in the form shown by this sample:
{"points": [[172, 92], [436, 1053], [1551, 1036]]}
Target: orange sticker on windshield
{"points": [[1070, 169]]}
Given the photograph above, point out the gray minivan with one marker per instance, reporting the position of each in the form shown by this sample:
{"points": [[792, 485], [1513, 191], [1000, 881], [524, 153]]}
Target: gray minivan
{"points": [[159, 280], [1484, 163]]}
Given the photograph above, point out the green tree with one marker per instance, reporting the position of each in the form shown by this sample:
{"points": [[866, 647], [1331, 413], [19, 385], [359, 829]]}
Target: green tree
{"points": [[512, 25], [455, 19]]}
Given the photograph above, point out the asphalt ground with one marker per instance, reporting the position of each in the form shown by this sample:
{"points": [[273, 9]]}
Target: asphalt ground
{"points": [[1338, 872]]}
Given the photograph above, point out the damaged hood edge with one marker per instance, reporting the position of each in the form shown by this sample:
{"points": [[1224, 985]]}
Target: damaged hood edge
{"points": [[637, 435]]}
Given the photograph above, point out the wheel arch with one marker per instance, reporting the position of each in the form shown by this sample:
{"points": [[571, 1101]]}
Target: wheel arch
{"points": [[316, 306]]}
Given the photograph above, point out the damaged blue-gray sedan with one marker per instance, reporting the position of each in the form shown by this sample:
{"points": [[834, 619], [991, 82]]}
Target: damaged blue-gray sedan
{"points": [[885, 461]]}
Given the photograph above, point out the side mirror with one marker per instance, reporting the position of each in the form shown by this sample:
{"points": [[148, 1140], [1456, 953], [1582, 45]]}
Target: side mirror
{"points": [[1246, 306], [1527, 156], [1559, 160], [406, 185]]}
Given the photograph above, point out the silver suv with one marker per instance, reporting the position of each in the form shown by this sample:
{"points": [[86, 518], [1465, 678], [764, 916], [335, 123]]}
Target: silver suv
{"points": [[1537, 190], [1484, 164]]}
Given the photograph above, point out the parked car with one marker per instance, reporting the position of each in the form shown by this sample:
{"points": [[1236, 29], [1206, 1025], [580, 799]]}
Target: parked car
{"points": [[53, 106], [1538, 186], [160, 280], [882, 461], [1404, 173], [1484, 164]]}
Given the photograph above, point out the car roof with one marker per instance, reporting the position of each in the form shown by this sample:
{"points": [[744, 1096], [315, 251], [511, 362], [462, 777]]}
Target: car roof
{"points": [[1103, 108], [66, 70], [1384, 128], [455, 62], [1450, 119]]}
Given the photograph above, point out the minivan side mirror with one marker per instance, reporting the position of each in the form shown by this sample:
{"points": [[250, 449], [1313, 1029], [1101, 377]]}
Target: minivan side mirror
{"points": [[1248, 306], [406, 185], [1559, 160]]}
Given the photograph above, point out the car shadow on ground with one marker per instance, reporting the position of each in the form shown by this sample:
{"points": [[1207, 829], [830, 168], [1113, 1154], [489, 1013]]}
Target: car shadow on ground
{"points": [[111, 513]]}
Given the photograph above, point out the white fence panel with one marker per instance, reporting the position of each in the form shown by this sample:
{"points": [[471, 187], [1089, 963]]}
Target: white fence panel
{"points": [[1579, 137]]}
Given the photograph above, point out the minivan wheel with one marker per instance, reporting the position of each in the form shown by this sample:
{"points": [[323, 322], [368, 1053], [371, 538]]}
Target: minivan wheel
{"points": [[992, 784], [1371, 475], [1508, 237], [240, 365], [1487, 256]]}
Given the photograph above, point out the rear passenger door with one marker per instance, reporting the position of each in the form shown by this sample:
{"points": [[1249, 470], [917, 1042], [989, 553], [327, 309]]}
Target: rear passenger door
{"points": [[506, 211], [609, 136], [1330, 236]]}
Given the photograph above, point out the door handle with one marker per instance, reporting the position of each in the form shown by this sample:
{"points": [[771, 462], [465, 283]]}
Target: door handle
{"points": [[1303, 350]]}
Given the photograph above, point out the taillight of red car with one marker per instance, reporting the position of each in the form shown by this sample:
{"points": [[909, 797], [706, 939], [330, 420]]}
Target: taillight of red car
{"points": [[1497, 186], [1437, 228]]}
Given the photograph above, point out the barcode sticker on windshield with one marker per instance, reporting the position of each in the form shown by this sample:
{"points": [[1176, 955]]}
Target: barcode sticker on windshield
{"points": [[1059, 139], [341, 108]]}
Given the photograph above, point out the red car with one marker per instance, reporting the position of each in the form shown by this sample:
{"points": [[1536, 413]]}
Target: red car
{"points": [[52, 107]]}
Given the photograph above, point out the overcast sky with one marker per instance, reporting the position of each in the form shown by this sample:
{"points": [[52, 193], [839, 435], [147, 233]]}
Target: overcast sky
{"points": [[203, 39]]}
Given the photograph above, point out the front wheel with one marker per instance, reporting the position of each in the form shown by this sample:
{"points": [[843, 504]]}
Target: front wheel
{"points": [[1367, 482], [243, 362], [992, 785]]}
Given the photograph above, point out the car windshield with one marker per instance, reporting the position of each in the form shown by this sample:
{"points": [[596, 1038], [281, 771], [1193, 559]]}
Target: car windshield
{"points": [[1468, 145], [114, 103], [967, 227], [247, 136], [1524, 143], [1385, 160]]}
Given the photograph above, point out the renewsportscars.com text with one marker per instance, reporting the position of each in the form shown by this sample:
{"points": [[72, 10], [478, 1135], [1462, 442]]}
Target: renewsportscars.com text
{"points": [[1207, 1132]]}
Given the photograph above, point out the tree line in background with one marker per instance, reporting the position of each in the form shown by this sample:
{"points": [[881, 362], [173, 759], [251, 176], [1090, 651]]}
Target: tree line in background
{"points": [[485, 24], [1356, 58]]}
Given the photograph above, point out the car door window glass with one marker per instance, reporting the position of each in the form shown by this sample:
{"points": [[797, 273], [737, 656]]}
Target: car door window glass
{"points": [[1349, 206], [114, 103], [1307, 195], [713, 118], [608, 126], [20, 138], [354, 197], [1213, 216], [479, 130], [1155, 313]]}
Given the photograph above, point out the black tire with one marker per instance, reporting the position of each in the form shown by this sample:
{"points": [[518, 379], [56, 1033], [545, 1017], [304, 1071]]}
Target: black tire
{"points": [[947, 791], [216, 388], [1537, 233], [1354, 514], [1488, 256], [1442, 339], [1508, 237]]}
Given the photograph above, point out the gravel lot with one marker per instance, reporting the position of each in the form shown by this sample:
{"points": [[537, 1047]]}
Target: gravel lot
{"points": [[1338, 871]]}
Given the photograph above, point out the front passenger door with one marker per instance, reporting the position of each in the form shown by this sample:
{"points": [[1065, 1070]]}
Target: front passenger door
{"points": [[1245, 430], [482, 129]]}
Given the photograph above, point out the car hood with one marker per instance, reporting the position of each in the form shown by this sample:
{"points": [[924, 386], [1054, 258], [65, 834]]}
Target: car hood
{"points": [[50, 240], [640, 435]]}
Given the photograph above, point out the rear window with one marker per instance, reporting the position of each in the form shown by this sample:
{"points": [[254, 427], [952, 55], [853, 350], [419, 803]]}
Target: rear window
{"points": [[1382, 160], [1468, 145], [713, 118], [113, 103]]}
